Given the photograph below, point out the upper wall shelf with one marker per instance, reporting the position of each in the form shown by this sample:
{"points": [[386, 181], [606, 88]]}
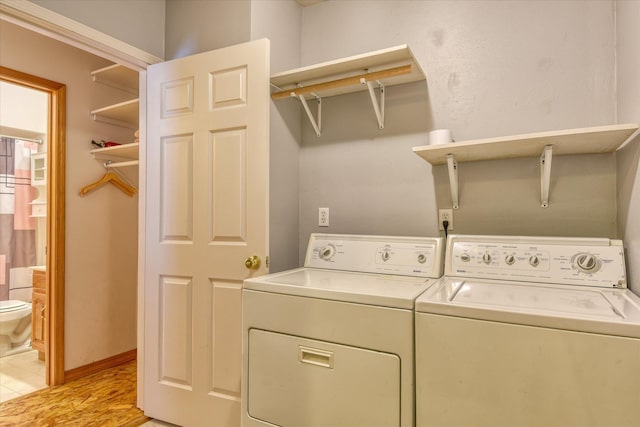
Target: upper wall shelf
{"points": [[386, 67], [594, 140], [119, 77]]}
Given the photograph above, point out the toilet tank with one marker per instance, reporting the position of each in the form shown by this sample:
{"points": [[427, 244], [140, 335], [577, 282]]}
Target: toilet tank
{"points": [[21, 284]]}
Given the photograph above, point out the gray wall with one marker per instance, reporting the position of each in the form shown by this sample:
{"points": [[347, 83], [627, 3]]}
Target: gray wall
{"points": [[280, 21], [492, 70], [194, 26], [139, 23], [628, 105]]}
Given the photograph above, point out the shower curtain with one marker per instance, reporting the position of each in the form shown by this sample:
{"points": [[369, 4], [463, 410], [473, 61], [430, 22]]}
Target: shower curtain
{"points": [[17, 228]]}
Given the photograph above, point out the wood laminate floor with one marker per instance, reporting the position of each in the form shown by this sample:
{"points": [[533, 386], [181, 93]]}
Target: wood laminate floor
{"points": [[107, 398]]}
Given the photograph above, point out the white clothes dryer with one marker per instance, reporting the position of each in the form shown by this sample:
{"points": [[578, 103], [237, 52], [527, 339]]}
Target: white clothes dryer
{"points": [[331, 343], [529, 331]]}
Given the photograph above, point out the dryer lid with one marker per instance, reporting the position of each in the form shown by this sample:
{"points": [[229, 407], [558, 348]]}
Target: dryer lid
{"points": [[363, 288]]}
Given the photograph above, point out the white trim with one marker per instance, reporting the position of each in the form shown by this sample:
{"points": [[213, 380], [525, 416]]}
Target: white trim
{"points": [[59, 27]]}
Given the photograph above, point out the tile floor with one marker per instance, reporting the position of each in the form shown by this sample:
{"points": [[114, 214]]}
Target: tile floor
{"points": [[21, 374]]}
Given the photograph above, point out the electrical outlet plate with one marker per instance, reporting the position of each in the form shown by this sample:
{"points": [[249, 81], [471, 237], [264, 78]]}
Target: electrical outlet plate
{"points": [[445, 215], [323, 217]]}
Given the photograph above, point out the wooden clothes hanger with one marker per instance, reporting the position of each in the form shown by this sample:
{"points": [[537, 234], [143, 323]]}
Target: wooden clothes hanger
{"points": [[109, 177]]}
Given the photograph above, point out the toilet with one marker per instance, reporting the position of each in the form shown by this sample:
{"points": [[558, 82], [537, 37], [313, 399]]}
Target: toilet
{"points": [[15, 314]]}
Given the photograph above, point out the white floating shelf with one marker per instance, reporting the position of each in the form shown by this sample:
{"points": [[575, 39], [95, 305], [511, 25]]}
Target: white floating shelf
{"points": [[119, 77], [123, 114], [600, 139], [594, 140]]}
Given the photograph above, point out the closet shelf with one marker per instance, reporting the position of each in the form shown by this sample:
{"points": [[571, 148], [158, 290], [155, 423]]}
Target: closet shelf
{"points": [[123, 114], [119, 77], [118, 154], [378, 69], [593, 140]]}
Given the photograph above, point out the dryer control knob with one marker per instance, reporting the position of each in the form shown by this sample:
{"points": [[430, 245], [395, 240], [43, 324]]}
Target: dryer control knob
{"points": [[587, 263], [486, 258], [327, 252], [465, 257], [534, 261], [510, 259], [422, 258], [386, 255]]}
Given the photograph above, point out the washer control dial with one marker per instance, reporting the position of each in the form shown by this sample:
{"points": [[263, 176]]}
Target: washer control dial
{"points": [[386, 255], [586, 263], [510, 259], [486, 258], [465, 257], [534, 261], [326, 252], [422, 258]]}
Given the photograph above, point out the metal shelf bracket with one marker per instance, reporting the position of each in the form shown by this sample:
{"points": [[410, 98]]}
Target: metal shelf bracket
{"points": [[452, 165], [378, 107], [545, 174], [317, 125]]}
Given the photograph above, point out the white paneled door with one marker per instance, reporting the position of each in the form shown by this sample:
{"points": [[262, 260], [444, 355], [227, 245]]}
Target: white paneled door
{"points": [[206, 217]]}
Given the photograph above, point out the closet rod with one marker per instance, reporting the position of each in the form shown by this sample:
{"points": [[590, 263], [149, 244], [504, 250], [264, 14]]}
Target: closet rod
{"points": [[347, 81], [37, 141]]}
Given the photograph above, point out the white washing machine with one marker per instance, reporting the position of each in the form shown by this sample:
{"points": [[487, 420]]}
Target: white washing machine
{"points": [[525, 331], [331, 343]]}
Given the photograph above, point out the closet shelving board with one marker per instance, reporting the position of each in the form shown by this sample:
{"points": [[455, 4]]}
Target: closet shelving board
{"points": [[123, 114], [593, 140], [119, 77], [330, 75], [119, 155]]}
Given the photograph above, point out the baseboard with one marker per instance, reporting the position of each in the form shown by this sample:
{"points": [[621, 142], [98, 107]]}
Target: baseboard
{"points": [[92, 368]]}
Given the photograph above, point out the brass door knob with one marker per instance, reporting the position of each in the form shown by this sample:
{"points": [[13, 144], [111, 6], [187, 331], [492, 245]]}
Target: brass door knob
{"points": [[252, 263]]}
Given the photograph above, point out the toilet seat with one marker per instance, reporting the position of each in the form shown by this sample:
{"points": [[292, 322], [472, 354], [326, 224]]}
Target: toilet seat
{"points": [[12, 305]]}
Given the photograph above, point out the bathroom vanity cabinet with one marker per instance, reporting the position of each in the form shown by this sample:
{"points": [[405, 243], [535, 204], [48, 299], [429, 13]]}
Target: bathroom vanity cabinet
{"points": [[38, 307]]}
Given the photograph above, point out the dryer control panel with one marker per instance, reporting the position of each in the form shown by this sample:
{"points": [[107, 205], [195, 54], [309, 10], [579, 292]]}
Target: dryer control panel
{"points": [[404, 256], [571, 261]]}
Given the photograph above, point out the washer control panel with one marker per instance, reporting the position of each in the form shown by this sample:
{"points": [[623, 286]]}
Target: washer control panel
{"points": [[572, 261], [405, 256]]}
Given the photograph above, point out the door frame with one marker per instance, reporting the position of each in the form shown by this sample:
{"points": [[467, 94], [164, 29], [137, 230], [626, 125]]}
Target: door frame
{"points": [[55, 253]]}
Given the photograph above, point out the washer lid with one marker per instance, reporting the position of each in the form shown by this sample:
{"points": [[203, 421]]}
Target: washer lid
{"points": [[608, 311], [363, 288]]}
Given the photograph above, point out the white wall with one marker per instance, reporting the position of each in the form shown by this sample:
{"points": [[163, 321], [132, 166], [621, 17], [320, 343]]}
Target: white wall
{"points": [[492, 70], [628, 106], [280, 22], [139, 23], [101, 228]]}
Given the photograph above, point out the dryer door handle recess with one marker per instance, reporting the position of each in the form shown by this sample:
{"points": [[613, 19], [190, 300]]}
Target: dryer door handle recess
{"points": [[314, 356]]}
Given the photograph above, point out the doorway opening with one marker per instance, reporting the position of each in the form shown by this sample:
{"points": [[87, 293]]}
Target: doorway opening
{"points": [[51, 311]]}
